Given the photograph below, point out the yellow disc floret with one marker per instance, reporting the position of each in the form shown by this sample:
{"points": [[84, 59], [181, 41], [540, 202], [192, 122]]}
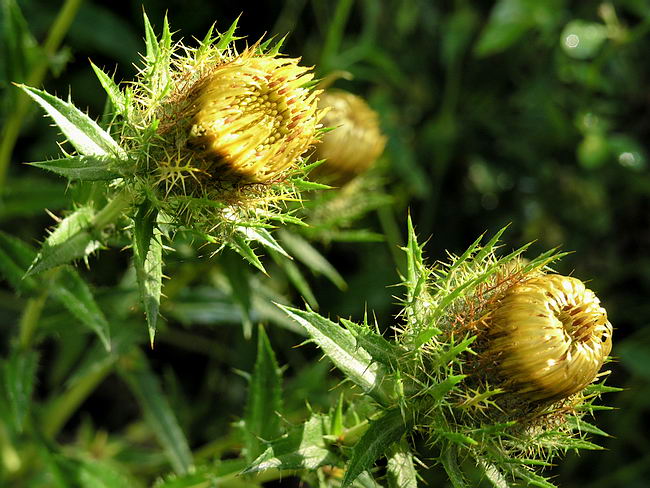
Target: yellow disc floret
{"points": [[549, 336], [255, 116]]}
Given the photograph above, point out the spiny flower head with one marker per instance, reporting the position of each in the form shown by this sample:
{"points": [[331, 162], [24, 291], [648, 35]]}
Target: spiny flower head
{"points": [[550, 337], [355, 141], [254, 116]]}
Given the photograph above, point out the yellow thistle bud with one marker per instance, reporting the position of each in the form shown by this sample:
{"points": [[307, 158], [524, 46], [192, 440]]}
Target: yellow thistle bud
{"points": [[354, 144], [550, 337], [254, 116]]}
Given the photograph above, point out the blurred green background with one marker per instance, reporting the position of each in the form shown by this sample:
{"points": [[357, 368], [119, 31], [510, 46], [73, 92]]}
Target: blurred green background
{"points": [[533, 114]]}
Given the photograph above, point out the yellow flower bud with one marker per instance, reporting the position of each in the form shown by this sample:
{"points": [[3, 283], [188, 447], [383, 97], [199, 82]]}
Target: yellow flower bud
{"points": [[354, 143], [254, 116], [549, 336]]}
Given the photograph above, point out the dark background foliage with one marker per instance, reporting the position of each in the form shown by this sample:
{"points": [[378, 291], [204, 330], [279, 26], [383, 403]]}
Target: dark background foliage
{"points": [[491, 120]]}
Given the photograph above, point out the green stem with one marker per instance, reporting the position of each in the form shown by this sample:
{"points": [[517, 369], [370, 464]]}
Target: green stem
{"points": [[14, 122], [29, 319], [66, 404], [334, 36], [112, 211]]}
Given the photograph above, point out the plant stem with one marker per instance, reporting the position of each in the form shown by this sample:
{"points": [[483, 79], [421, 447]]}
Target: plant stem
{"points": [[112, 211], [14, 122], [30, 317]]}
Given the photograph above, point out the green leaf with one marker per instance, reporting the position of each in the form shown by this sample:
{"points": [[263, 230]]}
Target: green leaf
{"points": [[580, 425], [449, 459], [73, 293], [239, 244], [80, 130], [147, 251], [380, 349], [89, 473], [229, 36], [15, 259], [19, 374], [376, 442], [401, 471], [302, 448], [305, 185], [300, 249], [340, 346], [18, 47], [264, 237], [70, 240], [264, 406], [439, 390], [157, 412], [492, 473], [509, 20], [533, 479], [112, 90], [27, 196], [85, 168], [239, 278], [296, 278]]}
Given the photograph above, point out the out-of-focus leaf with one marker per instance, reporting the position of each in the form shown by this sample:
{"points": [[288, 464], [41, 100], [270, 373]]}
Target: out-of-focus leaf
{"points": [[239, 278], [375, 443], [19, 374], [449, 459], [28, 196], [296, 277], [89, 473], [73, 292], [147, 250], [18, 46], [80, 130], [508, 21], [159, 416], [300, 249], [15, 258], [69, 241], [264, 406], [85, 168], [302, 448]]}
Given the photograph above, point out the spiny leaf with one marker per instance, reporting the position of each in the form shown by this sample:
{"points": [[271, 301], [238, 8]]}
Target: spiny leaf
{"points": [[449, 459], [147, 250], [264, 406], [80, 130], [401, 471], [300, 249], [84, 168], [157, 412], [264, 237], [380, 349], [116, 97], [376, 442], [439, 390], [73, 292], [339, 345], [70, 240], [229, 36], [302, 448], [240, 245]]}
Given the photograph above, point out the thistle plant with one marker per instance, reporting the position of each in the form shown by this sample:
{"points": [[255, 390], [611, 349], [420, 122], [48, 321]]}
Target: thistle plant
{"points": [[493, 371], [208, 141]]}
